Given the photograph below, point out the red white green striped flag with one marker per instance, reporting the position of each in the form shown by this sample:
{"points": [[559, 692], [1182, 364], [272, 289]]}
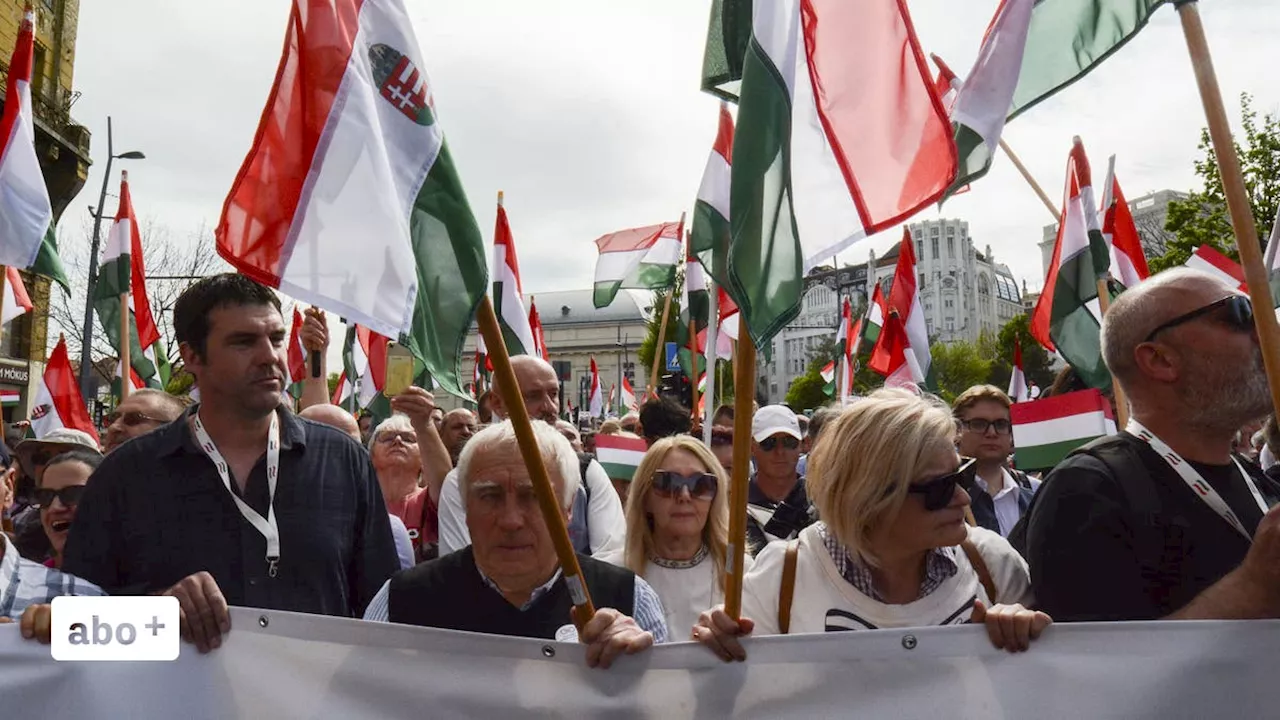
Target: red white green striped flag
{"points": [[904, 300], [26, 216], [10, 397], [535, 327], [1067, 317], [709, 239], [349, 198], [508, 295], [297, 365], [595, 404], [840, 135], [1017, 379], [619, 456], [1128, 260], [1044, 431], [16, 300], [1209, 259], [628, 395], [829, 377], [58, 402], [640, 258]]}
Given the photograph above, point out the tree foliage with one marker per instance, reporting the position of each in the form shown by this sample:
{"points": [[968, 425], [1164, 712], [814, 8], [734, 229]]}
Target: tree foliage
{"points": [[1035, 359], [1202, 218], [958, 366], [646, 350], [808, 391]]}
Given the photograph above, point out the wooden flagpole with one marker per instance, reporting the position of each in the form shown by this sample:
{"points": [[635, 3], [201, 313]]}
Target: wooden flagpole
{"points": [[1246, 232], [659, 349], [1104, 293], [4, 282], [744, 369], [693, 362], [552, 513]]}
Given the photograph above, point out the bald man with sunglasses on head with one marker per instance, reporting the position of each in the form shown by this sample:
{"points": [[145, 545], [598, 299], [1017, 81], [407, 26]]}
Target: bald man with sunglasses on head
{"points": [[1162, 520], [777, 506], [143, 411]]}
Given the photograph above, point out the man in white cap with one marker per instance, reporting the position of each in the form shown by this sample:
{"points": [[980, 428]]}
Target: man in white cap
{"points": [[777, 506]]}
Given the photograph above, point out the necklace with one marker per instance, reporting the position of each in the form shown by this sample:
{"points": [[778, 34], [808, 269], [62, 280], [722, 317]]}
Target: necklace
{"points": [[697, 558]]}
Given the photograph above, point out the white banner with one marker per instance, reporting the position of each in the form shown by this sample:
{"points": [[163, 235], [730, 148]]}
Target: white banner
{"points": [[284, 665]]}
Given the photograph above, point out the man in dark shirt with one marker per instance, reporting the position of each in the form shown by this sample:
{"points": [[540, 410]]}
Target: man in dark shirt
{"points": [[777, 506], [1161, 521], [188, 510]]}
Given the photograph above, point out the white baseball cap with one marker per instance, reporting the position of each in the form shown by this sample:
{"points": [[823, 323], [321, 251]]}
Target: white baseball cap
{"points": [[773, 419]]}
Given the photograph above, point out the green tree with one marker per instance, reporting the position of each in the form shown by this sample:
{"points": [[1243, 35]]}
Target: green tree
{"points": [[180, 381], [1035, 359], [1202, 218], [809, 390], [958, 366], [645, 353], [332, 381]]}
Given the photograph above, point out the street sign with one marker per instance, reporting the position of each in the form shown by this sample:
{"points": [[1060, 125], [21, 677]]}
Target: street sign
{"points": [[673, 357]]}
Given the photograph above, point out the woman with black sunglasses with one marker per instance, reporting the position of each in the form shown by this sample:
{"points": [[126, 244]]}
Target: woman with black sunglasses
{"points": [[893, 549], [678, 527], [58, 491]]}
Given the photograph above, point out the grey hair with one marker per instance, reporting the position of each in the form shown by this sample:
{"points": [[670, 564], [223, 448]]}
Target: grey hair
{"points": [[557, 454], [398, 422], [173, 403], [1138, 311]]}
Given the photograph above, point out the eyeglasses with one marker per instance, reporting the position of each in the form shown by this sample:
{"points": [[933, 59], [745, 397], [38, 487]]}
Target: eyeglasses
{"points": [[788, 442], [669, 483], [980, 425], [69, 495], [1239, 315], [133, 418], [721, 440], [408, 438], [939, 491]]}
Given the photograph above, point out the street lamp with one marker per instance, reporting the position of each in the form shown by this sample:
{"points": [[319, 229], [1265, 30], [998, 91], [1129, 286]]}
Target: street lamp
{"points": [[86, 333]]}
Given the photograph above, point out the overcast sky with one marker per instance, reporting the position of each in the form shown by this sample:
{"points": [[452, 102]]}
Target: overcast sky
{"points": [[588, 114]]}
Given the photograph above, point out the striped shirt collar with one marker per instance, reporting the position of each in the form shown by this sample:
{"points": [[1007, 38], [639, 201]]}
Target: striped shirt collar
{"points": [[534, 596], [940, 565]]}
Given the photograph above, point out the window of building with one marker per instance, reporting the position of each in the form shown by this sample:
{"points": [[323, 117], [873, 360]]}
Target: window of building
{"points": [[933, 231], [928, 325], [949, 304], [922, 278], [919, 248], [951, 232], [934, 244], [951, 246]]}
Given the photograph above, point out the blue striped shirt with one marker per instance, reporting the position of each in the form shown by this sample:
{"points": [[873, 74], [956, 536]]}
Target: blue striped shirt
{"points": [[647, 613], [24, 583]]}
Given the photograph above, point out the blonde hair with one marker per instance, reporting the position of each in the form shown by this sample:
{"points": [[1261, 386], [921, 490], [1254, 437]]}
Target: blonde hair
{"points": [[977, 394], [610, 427], [715, 533], [858, 475]]}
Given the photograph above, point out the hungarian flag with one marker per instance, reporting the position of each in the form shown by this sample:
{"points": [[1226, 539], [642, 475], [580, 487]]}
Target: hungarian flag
{"points": [[1209, 259], [695, 307], [123, 274], [1068, 38], [341, 391], [535, 327], [905, 301], [709, 240], [10, 397], [982, 101], [640, 258], [58, 402], [847, 347], [1067, 317], [349, 198], [135, 382], [1017, 379], [874, 321], [1044, 431], [894, 358], [619, 456], [628, 399], [26, 217], [365, 358], [595, 405], [297, 357], [727, 37], [16, 300], [829, 377], [947, 85], [612, 409], [840, 135], [1128, 262], [726, 330], [508, 297]]}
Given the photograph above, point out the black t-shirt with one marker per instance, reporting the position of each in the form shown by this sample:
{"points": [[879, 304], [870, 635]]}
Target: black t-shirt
{"points": [[1133, 548]]}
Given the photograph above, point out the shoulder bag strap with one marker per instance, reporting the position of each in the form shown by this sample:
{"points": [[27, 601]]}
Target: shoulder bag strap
{"points": [[788, 589], [980, 566]]}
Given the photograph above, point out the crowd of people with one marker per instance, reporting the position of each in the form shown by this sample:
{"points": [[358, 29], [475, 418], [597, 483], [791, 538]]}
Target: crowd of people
{"points": [[896, 511]]}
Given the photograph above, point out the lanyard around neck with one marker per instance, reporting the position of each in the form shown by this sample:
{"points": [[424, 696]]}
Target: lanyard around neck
{"points": [[1196, 482], [267, 526]]}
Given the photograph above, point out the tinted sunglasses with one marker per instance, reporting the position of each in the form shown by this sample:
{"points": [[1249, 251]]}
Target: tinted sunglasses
{"points": [[939, 491], [69, 495], [788, 442], [1239, 315], [389, 436], [979, 426], [132, 418], [669, 483]]}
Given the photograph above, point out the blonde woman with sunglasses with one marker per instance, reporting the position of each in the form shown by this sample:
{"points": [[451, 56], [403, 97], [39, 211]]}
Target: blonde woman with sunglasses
{"points": [[892, 549], [677, 528]]}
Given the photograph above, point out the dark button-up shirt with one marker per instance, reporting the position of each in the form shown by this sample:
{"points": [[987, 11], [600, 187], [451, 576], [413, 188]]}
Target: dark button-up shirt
{"points": [[156, 511]]}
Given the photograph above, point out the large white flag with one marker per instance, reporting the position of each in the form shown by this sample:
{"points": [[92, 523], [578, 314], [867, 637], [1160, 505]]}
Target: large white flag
{"points": [[25, 212]]}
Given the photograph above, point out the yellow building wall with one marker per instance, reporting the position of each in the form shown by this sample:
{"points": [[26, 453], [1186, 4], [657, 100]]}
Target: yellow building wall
{"points": [[56, 23]]}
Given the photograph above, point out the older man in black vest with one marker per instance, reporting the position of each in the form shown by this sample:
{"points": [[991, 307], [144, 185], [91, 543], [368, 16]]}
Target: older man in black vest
{"points": [[509, 581]]}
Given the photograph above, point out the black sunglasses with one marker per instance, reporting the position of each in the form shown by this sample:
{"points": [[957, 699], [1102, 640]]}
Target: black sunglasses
{"points": [[979, 426], [132, 418], [939, 491], [669, 483], [1239, 315], [69, 495], [788, 442]]}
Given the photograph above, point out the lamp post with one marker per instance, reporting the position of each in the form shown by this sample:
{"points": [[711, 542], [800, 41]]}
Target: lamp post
{"points": [[86, 333]]}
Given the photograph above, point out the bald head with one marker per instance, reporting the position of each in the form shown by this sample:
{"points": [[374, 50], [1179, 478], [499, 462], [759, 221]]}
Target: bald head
{"points": [[539, 386], [333, 416]]}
